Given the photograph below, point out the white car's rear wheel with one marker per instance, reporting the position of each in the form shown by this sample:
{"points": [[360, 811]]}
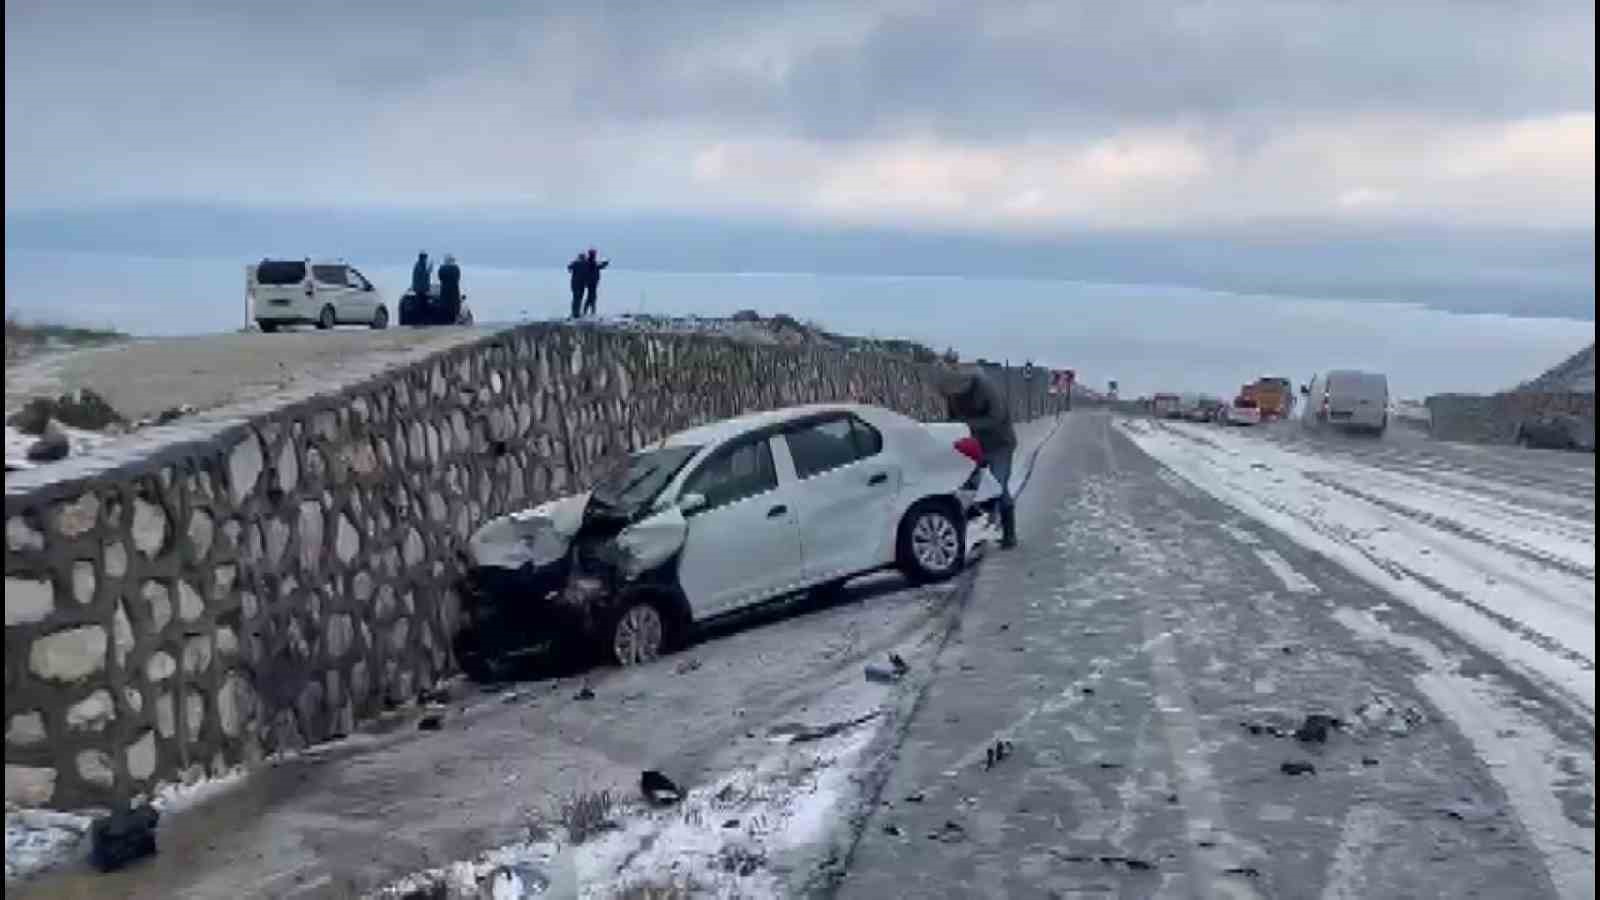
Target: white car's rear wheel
{"points": [[380, 319], [328, 318], [932, 546]]}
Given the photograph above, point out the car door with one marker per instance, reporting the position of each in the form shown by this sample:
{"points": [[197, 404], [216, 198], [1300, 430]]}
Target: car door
{"points": [[845, 487], [333, 288], [363, 296], [743, 544]]}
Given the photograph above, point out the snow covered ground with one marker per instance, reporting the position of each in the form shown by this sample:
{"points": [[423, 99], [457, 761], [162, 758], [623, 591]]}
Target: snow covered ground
{"points": [[1504, 566]]}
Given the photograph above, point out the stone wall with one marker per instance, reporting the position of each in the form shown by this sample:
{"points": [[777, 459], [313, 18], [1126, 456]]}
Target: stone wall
{"points": [[1493, 419], [272, 581]]}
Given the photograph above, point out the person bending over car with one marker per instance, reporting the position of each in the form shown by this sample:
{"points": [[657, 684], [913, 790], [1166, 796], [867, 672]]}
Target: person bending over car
{"points": [[972, 398]]}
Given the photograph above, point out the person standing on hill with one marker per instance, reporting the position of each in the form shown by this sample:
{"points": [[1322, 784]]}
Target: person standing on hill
{"points": [[592, 282], [579, 270], [972, 398], [449, 291], [422, 278]]}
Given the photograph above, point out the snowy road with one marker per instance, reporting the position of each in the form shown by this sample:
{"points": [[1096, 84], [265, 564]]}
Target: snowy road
{"points": [[1185, 598]]}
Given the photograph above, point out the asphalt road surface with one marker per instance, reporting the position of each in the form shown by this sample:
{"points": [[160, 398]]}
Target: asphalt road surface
{"points": [[1148, 654]]}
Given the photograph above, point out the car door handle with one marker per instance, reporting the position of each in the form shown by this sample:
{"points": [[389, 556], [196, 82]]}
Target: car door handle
{"points": [[777, 511], [879, 478]]}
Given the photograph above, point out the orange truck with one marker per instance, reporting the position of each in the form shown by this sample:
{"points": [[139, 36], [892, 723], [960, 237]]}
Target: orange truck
{"points": [[1274, 397]]}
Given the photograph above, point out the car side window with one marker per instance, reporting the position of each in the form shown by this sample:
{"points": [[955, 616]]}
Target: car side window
{"points": [[357, 280], [831, 443], [333, 276], [735, 473]]}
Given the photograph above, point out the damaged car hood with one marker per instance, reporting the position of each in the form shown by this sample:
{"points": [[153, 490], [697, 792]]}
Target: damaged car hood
{"points": [[544, 534], [538, 536]]}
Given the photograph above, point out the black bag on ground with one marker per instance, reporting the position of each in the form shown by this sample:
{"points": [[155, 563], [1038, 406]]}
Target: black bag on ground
{"points": [[121, 838]]}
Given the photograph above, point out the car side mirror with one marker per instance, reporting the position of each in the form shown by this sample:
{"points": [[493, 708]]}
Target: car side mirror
{"points": [[1305, 390], [691, 503]]}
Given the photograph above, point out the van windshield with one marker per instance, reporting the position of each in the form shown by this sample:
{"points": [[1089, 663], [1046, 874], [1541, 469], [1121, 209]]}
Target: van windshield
{"points": [[272, 271]]}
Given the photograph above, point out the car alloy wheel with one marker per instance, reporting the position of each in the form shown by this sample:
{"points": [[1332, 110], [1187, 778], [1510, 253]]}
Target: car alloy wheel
{"points": [[935, 542], [638, 635]]}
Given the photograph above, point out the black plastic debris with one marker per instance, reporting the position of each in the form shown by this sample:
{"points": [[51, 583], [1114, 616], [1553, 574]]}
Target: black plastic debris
{"points": [[1296, 767], [1314, 730], [122, 838], [898, 664], [1131, 863], [584, 693], [731, 823], [951, 833], [892, 830], [1369, 761], [658, 788], [1243, 871], [430, 723], [996, 754], [917, 797], [1086, 691]]}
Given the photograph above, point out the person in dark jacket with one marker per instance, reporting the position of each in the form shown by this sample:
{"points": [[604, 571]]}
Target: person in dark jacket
{"points": [[592, 284], [422, 278], [972, 398], [579, 269], [449, 291]]}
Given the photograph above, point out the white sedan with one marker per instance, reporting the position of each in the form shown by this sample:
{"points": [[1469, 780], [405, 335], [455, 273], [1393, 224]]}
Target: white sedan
{"points": [[720, 518]]}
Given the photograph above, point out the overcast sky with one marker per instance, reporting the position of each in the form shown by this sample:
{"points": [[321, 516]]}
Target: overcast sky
{"points": [[1047, 118]]}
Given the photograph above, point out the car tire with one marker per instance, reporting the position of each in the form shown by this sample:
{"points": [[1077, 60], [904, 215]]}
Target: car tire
{"points": [[638, 631], [1524, 442], [327, 318], [477, 661], [932, 543], [380, 319], [267, 327]]}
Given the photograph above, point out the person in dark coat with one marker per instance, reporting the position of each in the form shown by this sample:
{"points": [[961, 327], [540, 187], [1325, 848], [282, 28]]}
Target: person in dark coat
{"points": [[592, 284], [422, 278], [579, 269], [972, 398], [449, 291]]}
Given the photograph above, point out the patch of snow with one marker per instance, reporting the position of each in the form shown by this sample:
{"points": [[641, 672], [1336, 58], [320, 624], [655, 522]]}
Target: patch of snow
{"points": [[1293, 580], [1527, 760], [40, 839], [1513, 580]]}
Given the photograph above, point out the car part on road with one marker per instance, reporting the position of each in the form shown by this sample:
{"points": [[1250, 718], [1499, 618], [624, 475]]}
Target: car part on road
{"points": [[658, 789], [122, 838]]}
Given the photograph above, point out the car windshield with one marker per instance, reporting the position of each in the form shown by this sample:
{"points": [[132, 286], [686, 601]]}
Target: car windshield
{"points": [[633, 483]]}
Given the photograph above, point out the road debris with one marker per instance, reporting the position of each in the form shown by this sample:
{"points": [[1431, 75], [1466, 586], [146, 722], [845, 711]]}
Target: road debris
{"points": [[951, 833], [430, 723], [1296, 767], [1314, 730], [799, 733], [687, 666], [658, 789], [584, 693], [122, 838]]}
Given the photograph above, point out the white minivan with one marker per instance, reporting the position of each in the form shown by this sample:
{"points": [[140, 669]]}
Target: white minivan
{"points": [[1347, 399], [306, 292]]}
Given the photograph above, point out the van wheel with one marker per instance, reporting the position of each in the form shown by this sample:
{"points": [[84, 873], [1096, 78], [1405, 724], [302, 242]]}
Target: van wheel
{"points": [[380, 319], [932, 543], [268, 327], [327, 319]]}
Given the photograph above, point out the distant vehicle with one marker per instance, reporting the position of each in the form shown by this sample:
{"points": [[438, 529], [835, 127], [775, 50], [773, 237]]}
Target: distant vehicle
{"points": [[1243, 411], [1556, 431], [414, 313], [1348, 400], [719, 518], [306, 292], [1166, 406], [1274, 398], [1207, 409]]}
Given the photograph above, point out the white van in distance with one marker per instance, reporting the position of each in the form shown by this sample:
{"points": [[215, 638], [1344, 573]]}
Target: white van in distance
{"points": [[1347, 399], [302, 292]]}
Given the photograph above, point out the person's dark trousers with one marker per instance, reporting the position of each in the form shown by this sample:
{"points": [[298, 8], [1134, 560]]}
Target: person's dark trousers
{"points": [[589, 299], [1000, 466], [577, 302]]}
